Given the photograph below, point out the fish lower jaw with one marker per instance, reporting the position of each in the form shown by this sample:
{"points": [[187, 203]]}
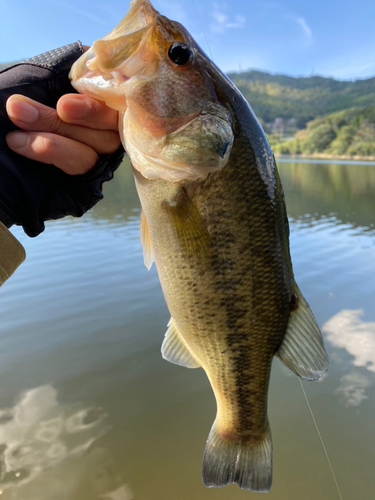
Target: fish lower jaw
{"points": [[154, 167]]}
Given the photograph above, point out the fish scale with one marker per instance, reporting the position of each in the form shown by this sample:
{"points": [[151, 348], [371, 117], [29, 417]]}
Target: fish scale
{"points": [[214, 221], [233, 308]]}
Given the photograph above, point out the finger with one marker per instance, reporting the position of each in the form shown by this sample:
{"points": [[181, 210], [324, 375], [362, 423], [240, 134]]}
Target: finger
{"points": [[33, 116], [82, 110], [72, 157]]}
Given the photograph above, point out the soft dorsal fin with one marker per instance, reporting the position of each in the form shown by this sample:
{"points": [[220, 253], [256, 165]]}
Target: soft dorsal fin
{"points": [[148, 253], [302, 350], [175, 350]]}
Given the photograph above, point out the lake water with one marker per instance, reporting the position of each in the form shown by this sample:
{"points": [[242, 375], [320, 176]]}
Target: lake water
{"points": [[88, 408]]}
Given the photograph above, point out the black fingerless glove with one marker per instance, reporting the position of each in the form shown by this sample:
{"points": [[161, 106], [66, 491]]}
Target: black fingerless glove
{"points": [[32, 192]]}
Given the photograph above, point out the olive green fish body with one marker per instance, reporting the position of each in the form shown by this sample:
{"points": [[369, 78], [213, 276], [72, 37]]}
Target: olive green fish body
{"points": [[214, 221], [230, 299]]}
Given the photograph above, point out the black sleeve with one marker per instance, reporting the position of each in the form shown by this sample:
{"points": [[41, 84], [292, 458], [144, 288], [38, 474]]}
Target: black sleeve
{"points": [[32, 192]]}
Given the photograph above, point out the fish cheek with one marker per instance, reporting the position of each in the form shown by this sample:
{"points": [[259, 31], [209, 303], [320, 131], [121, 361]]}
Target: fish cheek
{"points": [[171, 94], [152, 125]]}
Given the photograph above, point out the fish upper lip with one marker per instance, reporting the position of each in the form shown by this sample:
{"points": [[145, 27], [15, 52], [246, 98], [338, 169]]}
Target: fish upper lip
{"points": [[145, 11], [142, 15]]}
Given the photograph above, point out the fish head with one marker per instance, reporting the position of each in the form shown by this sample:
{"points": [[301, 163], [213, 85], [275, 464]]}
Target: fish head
{"points": [[151, 70]]}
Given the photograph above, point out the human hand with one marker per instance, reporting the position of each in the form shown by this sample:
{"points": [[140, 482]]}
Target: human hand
{"points": [[35, 182], [70, 137]]}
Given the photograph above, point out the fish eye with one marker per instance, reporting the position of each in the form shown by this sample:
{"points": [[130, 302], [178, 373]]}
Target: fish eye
{"points": [[180, 53]]}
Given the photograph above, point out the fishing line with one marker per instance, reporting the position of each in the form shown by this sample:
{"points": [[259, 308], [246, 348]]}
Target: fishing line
{"points": [[321, 439], [204, 34]]}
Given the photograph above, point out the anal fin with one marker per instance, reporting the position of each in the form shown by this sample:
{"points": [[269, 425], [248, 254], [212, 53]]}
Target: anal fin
{"points": [[175, 350], [148, 253], [302, 350]]}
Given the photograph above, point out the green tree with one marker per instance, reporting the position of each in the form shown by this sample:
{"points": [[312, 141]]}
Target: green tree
{"points": [[344, 139], [320, 137]]}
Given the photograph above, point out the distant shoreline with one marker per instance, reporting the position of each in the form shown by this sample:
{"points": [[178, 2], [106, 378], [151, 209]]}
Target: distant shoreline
{"points": [[322, 156]]}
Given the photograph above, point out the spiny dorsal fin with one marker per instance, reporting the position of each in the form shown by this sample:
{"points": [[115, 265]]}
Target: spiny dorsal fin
{"points": [[175, 350], [148, 253], [302, 350]]}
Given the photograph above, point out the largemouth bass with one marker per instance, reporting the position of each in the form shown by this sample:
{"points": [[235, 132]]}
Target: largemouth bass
{"points": [[214, 221]]}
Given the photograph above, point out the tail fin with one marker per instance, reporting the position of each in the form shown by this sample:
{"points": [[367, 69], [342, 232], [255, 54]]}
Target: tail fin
{"points": [[247, 464]]}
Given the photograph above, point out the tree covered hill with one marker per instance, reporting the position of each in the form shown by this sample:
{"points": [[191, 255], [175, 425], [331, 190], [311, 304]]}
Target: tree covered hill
{"points": [[350, 132], [302, 98]]}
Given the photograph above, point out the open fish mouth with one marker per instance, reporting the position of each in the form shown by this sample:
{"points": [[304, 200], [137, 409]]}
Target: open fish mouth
{"points": [[120, 55], [134, 48], [149, 69]]}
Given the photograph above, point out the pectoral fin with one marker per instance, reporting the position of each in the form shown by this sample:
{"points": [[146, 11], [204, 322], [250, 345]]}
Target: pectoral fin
{"points": [[175, 350], [192, 234], [302, 350], [148, 253]]}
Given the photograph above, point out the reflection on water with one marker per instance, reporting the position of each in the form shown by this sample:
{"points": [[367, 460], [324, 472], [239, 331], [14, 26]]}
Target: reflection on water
{"points": [[352, 388], [347, 331], [38, 435], [343, 190], [123, 493], [35, 433], [92, 412], [121, 203]]}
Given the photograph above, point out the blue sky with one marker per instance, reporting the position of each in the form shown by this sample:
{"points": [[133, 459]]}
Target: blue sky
{"points": [[294, 37]]}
